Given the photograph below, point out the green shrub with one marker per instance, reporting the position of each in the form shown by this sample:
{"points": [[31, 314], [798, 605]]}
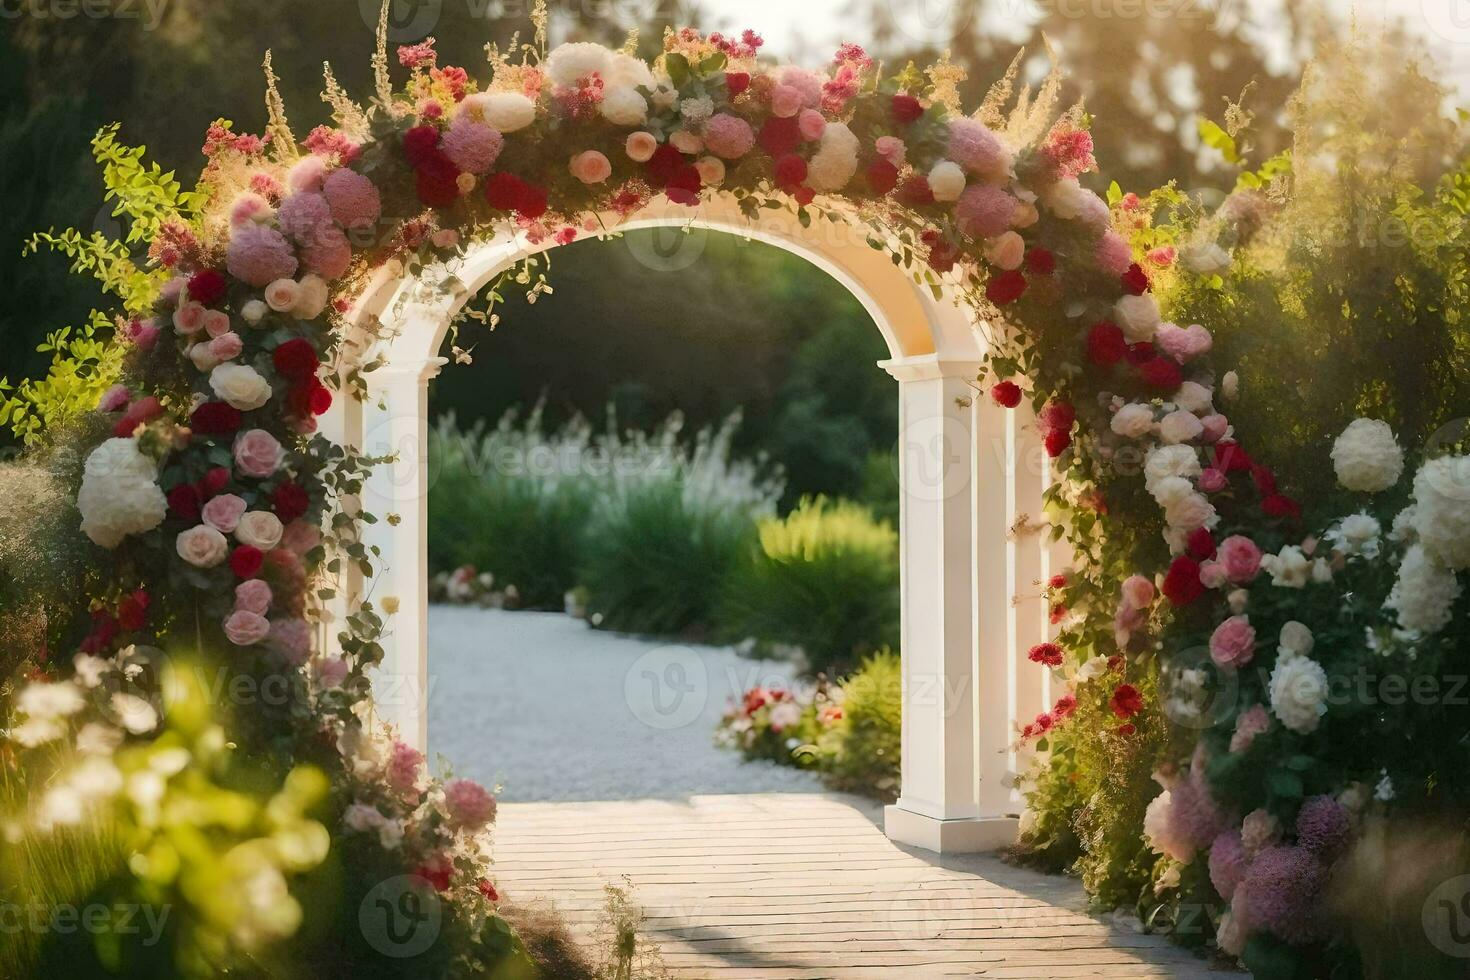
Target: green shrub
{"points": [[825, 578], [860, 751]]}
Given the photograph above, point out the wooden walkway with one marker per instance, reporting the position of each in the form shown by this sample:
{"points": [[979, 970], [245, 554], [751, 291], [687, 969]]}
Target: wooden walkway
{"points": [[806, 886]]}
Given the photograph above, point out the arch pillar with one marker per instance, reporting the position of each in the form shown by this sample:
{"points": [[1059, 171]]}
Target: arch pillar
{"points": [[957, 714]]}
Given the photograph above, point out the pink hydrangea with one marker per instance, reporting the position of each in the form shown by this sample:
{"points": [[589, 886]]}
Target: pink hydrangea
{"points": [[1254, 721], [253, 595], [244, 628], [1233, 644], [405, 767], [291, 638], [469, 804], [1138, 591], [728, 136], [329, 256], [305, 217], [1194, 815], [984, 211], [353, 198], [1282, 892], [976, 148], [1228, 863], [1112, 254], [259, 255], [1241, 558], [330, 672], [1323, 827], [807, 83], [471, 146]]}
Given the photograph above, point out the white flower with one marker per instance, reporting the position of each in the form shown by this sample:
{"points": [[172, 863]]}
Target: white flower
{"points": [[1194, 397], [784, 714], [1138, 316], [1068, 199], [503, 111], [947, 181], [390, 834], [1159, 832], [835, 161], [259, 529], [1171, 490], [313, 298], [1191, 512], [60, 700], [1442, 510], [1290, 568], [361, 817], [36, 731], [135, 714], [695, 110], [1299, 693], [1355, 536], [1133, 421], [1403, 531], [96, 738], [1366, 456], [1230, 386], [1296, 640], [240, 385], [1424, 594], [119, 493], [282, 295], [686, 141], [1205, 258], [1383, 792], [623, 106], [569, 63], [254, 311], [201, 546], [626, 69], [1167, 461], [1180, 426], [1094, 668], [1321, 570]]}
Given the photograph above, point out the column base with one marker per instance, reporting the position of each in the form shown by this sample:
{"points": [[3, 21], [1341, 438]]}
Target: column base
{"points": [[970, 835]]}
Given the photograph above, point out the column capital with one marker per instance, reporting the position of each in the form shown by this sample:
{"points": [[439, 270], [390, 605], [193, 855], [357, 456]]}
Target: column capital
{"points": [[419, 371], [928, 367]]}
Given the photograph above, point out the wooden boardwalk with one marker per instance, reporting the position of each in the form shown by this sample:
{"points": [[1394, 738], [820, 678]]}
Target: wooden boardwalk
{"points": [[806, 886]]}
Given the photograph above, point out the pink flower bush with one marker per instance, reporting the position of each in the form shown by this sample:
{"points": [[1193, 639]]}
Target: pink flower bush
{"points": [[1281, 894], [1228, 863]]}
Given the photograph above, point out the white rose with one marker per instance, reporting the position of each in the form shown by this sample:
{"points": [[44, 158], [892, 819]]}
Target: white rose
{"points": [[1133, 421], [253, 311], [1167, 461], [240, 385], [1191, 512], [119, 493], [202, 546], [623, 106], [1366, 456], [282, 295], [1065, 199], [1424, 594], [202, 358], [1296, 640], [1171, 490], [1289, 568], [1205, 258], [313, 298], [1138, 316], [1180, 426], [947, 181], [502, 111], [1194, 397], [1441, 514], [1299, 693], [711, 171], [259, 529]]}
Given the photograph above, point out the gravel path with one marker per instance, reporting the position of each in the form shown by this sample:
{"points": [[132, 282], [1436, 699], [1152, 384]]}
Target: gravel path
{"points": [[554, 710]]}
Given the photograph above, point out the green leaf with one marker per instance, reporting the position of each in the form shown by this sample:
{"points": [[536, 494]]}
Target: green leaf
{"points": [[1115, 193], [678, 68], [713, 63], [1216, 138]]}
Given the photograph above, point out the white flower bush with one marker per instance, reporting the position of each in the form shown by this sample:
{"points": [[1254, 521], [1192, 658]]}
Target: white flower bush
{"points": [[1367, 457], [119, 495], [1424, 594], [1441, 514]]}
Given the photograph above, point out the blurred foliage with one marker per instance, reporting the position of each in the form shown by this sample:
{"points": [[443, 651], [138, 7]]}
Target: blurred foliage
{"points": [[861, 751]]}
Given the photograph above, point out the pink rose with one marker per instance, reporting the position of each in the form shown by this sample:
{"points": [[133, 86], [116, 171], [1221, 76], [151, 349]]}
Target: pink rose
{"points": [[1250, 723], [253, 595], [291, 638], [469, 804], [1240, 558], [1233, 643], [201, 546], [590, 167], [216, 323], [1213, 480], [1138, 591], [223, 512], [404, 765], [188, 318], [786, 101], [244, 628], [641, 146], [114, 399], [811, 124], [282, 294], [330, 672], [143, 333], [1214, 428], [226, 346], [300, 537], [892, 149], [1212, 574], [257, 453]]}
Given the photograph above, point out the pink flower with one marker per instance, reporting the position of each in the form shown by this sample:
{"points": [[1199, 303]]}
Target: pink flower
{"points": [[216, 323], [725, 135], [1213, 481], [188, 318], [590, 167], [471, 146], [223, 512], [248, 207], [470, 805], [329, 256], [1163, 255], [143, 333], [1250, 723], [405, 766], [984, 211], [641, 146], [226, 346], [1138, 591], [1183, 344], [257, 453], [114, 399], [330, 672], [892, 149], [291, 638], [1233, 643], [244, 628], [253, 595], [353, 198], [1212, 574], [1215, 426], [786, 101], [300, 537], [975, 147], [259, 255], [1241, 558], [307, 174], [1112, 254], [811, 123]]}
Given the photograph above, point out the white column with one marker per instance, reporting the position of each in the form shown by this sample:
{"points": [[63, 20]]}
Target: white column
{"points": [[947, 701], [395, 423]]}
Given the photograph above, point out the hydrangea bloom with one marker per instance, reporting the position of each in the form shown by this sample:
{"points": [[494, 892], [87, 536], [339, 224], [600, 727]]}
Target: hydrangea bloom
{"points": [[258, 254], [1442, 510], [1366, 456], [119, 493], [1228, 863], [1281, 894], [1424, 594], [471, 146], [1323, 827], [728, 136], [984, 211], [976, 148]]}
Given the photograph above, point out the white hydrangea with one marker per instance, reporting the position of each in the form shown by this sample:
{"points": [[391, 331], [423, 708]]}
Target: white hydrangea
{"points": [[1299, 693], [1167, 461], [696, 109], [1355, 536], [1159, 830], [568, 63], [1424, 594], [1133, 421], [835, 161], [1289, 569], [1366, 456], [1442, 510], [119, 494], [623, 106], [502, 111], [1138, 316]]}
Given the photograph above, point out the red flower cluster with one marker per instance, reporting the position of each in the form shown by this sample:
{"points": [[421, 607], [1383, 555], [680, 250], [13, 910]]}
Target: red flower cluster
{"points": [[1106, 344], [1048, 654], [1005, 288], [1055, 420], [1181, 583], [507, 192], [1126, 701], [436, 178]]}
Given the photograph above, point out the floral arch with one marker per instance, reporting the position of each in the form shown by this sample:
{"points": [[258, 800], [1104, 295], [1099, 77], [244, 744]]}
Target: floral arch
{"points": [[1074, 495]]}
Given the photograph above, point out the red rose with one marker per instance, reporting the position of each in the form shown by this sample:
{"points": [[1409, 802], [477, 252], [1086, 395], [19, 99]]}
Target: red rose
{"points": [[1231, 458], [1280, 505], [215, 419], [1006, 287], [1126, 701], [882, 176], [915, 192], [1141, 353], [214, 481], [906, 108], [289, 502], [207, 286], [1181, 584], [245, 561], [1200, 544], [790, 171], [1126, 729], [1265, 480], [132, 612], [779, 135], [104, 631], [1006, 394], [295, 359], [437, 872], [435, 187], [804, 195], [1057, 582], [1056, 416], [183, 502], [507, 192], [1045, 653], [321, 399], [1056, 442], [1105, 343], [1040, 261], [1161, 372], [736, 82], [684, 186], [420, 144], [1135, 280], [664, 164], [486, 887]]}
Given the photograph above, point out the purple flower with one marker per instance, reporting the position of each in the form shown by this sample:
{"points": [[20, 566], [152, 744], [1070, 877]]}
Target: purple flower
{"points": [[1228, 863], [1323, 827], [1281, 894]]}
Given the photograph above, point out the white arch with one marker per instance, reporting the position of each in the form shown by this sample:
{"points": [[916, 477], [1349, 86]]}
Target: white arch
{"points": [[969, 472]]}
